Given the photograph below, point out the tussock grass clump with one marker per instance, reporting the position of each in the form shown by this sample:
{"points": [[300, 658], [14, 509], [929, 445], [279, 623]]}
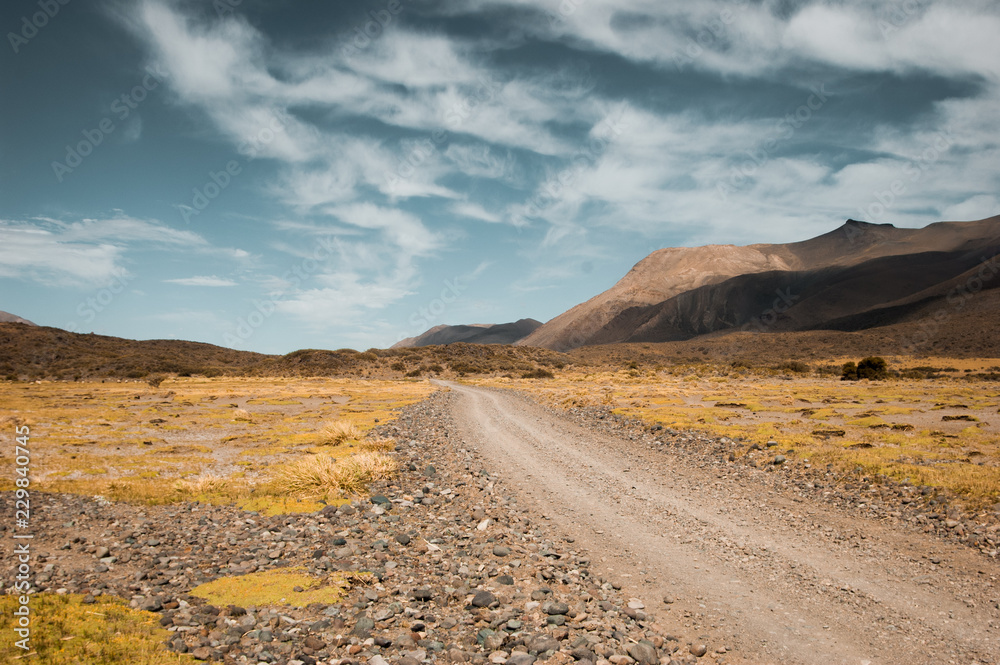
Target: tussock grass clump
{"points": [[323, 475], [339, 432], [208, 483]]}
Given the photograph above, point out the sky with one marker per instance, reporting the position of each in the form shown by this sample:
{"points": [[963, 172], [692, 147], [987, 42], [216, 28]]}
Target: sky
{"points": [[276, 175]]}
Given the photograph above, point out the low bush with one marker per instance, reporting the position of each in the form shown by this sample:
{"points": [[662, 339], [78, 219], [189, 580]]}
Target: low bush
{"points": [[872, 368]]}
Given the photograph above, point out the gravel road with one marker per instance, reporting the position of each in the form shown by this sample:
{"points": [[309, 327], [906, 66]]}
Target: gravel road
{"points": [[769, 575]]}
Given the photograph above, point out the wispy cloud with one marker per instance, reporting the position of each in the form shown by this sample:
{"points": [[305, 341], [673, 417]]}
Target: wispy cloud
{"points": [[86, 253], [202, 280]]}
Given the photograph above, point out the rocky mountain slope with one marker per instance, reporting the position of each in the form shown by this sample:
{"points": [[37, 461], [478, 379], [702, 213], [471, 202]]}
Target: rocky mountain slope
{"points": [[679, 293], [479, 333], [7, 317]]}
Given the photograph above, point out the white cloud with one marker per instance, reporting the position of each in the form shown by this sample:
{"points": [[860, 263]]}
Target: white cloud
{"points": [[973, 208], [86, 254], [202, 280], [29, 252], [475, 211], [403, 230]]}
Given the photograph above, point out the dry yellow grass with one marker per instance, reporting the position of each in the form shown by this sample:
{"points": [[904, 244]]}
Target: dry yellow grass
{"points": [[129, 442], [378, 444], [326, 476], [339, 432]]}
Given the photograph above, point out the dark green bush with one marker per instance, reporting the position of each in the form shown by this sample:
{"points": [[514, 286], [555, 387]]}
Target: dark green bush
{"points": [[872, 368]]}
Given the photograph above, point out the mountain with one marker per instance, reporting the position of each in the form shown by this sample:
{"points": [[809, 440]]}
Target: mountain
{"points": [[479, 333], [856, 276], [7, 317]]}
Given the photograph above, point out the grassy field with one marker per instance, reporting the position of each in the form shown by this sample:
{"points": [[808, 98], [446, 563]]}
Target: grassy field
{"points": [[942, 432], [209, 439]]}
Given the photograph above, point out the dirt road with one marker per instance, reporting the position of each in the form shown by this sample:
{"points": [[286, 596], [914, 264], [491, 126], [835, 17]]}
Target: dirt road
{"points": [[773, 578]]}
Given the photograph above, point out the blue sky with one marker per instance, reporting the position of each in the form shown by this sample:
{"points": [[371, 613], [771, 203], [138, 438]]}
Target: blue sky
{"points": [[282, 175]]}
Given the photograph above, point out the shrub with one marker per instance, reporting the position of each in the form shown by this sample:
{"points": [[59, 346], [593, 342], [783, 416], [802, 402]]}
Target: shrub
{"points": [[414, 372], [538, 373], [872, 368], [796, 366], [398, 366], [155, 380], [338, 432]]}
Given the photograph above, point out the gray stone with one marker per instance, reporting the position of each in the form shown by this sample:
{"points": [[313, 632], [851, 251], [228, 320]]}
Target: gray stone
{"points": [[483, 598], [555, 608], [202, 653], [151, 604], [314, 643], [643, 653], [541, 643], [363, 627], [520, 658]]}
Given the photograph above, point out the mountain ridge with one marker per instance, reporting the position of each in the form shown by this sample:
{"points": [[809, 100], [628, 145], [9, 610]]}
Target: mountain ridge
{"points": [[474, 333], [669, 273], [7, 317]]}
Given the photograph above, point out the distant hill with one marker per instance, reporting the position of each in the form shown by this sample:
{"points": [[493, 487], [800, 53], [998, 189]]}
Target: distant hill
{"points": [[7, 317], [855, 277], [482, 333], [35, 352]]}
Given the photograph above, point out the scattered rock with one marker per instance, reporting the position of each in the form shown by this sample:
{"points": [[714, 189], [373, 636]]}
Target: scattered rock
{"points": [[483, 598]]}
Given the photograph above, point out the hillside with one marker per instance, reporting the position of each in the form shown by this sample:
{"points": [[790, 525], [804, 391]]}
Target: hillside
{"points": [[679, 293], [30, 352], [483, 333]]}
